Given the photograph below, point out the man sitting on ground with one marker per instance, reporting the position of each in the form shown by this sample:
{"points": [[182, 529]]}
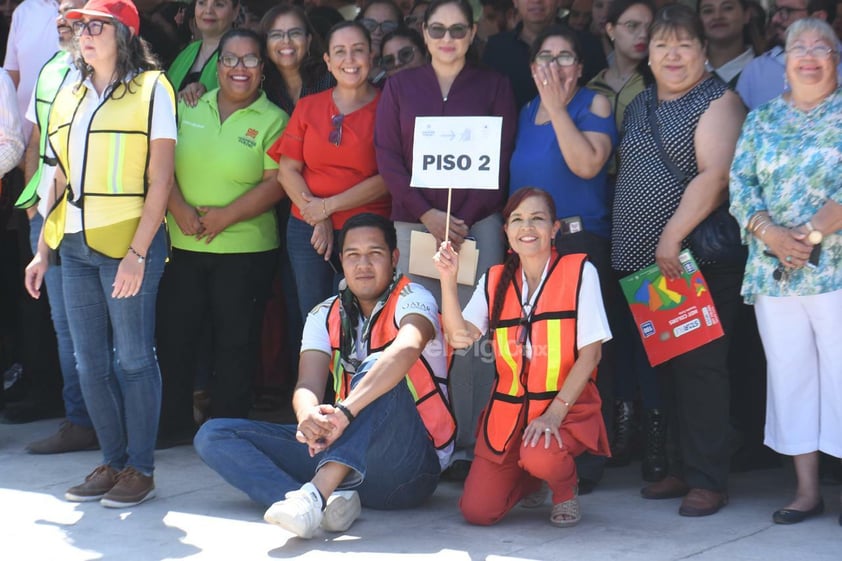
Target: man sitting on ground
{"points": [[390, 432]]}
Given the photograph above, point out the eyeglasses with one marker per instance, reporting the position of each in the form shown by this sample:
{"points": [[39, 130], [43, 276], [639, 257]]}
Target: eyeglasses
{"points": [[564, 58], [632, 26], [335, 136], [385, 26], [524, 325], [457, 31], [232, 61], [817, 51], [404, 57], [785, 12], [94, 27], [294, 34]]}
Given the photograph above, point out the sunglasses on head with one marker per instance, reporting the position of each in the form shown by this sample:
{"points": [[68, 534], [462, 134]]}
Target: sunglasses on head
{"points": [[457, 31], [403, 57]]}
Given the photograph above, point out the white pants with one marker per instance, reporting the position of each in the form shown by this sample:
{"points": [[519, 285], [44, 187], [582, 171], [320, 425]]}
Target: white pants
{"points": [[472, 372], [801, 338]]}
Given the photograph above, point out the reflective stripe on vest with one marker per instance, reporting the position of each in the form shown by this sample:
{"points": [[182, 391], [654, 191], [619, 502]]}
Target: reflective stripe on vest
{"points": [[552, 333], [116, 158], [426, 387], [50, 80]]}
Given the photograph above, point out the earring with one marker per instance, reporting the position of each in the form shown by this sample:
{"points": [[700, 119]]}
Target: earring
{"points": [[786, 83], [610, 38]]}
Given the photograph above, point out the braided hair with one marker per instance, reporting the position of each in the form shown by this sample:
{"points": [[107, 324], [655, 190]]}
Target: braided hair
{"points": [[512, 261]]}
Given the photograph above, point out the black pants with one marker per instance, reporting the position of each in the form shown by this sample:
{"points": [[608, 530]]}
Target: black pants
{"points": [[696, 389], [599, 253], [227, 292]]}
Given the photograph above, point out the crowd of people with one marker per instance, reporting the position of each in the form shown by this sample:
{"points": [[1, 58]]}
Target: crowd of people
{"points": [[173, 171]]}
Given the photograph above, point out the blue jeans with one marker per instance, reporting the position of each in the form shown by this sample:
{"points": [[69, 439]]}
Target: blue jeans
{"points": [[315, 279], [71, 393], [115, 350], [394, 464]]}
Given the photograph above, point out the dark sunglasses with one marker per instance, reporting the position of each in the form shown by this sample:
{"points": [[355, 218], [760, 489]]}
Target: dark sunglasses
{"points": [[457, 31], [335, 136], [94, 27], [385, 26], [404, 57]]}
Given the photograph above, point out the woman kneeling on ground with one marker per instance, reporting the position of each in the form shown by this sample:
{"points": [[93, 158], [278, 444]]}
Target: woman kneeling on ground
{"points": [[545, 407]]}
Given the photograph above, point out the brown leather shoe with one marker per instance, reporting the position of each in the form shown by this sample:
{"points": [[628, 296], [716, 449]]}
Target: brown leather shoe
{"points": [[96, 484], [132, 488], [669, 487], [702, 502], [69, 438]]}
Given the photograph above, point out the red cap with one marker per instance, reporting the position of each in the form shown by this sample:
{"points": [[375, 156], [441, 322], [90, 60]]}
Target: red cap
{"points": [[123, 11]]}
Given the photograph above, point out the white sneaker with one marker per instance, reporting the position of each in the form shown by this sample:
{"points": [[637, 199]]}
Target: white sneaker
{"points": [[300, 512], [343, 507]]}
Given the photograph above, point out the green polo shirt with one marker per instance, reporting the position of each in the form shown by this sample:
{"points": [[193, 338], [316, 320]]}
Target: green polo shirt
{"points": [[216, 163]]}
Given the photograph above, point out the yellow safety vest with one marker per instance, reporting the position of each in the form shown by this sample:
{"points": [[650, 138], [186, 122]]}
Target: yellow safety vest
{"points": [[116, 158]]}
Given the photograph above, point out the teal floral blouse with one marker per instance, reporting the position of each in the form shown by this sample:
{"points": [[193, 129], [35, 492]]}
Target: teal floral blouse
{"points": [[789, 162]]}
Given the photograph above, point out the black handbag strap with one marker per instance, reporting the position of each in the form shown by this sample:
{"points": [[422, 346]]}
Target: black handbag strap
{"points": [[682, 177]]}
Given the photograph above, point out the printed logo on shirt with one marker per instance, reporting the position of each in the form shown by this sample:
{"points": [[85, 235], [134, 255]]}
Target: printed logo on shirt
{"points": [[248, 138], [420, 306]]}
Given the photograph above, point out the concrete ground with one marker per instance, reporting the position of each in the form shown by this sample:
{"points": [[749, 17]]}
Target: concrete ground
{"points": [[197, 516]]}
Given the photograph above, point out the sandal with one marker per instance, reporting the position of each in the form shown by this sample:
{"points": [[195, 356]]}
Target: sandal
{"points": [[536, 499], [567, 513]]}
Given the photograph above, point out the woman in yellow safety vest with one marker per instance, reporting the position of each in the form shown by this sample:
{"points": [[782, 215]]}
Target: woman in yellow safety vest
{"points": [[547, 324], [113, 134]]}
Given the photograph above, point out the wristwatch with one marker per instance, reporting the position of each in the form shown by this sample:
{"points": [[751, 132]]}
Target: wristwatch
{"points": [[814, 236]]}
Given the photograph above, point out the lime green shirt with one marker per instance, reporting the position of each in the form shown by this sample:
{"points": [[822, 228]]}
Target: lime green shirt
{"points": [[216, 163], [180, 67]]}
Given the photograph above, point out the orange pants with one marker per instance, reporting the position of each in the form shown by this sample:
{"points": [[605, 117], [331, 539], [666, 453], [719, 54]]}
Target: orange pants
{"points": [[494, 487]]}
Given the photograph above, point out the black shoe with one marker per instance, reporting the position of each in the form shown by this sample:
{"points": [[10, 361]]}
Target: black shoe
{"points": [[457, 471], [624, 434], [654, 466], [29, 411], [792, 516]]}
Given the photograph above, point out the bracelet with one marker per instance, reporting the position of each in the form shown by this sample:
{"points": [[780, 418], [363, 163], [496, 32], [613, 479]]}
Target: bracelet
{"points": [[755, 221], [809, 226], [759, 223], [561, 399], [763, 231], [140, 258], [345, 411], [324, 206]]}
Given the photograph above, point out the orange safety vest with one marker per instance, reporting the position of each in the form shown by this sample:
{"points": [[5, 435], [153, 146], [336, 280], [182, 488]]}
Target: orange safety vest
{"points": [[554, 351], [427, 387]]}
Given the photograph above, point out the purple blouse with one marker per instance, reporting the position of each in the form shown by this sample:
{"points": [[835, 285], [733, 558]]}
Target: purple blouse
{"points": [[416, 93]]}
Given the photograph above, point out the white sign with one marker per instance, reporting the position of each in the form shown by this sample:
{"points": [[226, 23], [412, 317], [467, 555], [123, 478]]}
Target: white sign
{"points": [[457, 152]]}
